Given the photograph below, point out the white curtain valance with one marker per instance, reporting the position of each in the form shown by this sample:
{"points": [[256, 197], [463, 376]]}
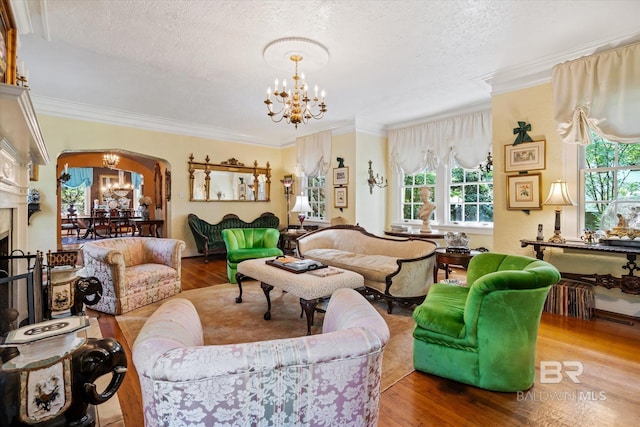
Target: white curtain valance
{"points": [[601, 92], [314, 153], [467, 138]]}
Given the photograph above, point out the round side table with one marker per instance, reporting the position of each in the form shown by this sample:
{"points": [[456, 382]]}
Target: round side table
{"points": [[444, 259]]}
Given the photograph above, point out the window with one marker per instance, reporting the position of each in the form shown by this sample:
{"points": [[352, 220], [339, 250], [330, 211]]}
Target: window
{"points": [[463, 196], [611, 171], [411, 201], [470, 195], [316, 192], [73, 200]]}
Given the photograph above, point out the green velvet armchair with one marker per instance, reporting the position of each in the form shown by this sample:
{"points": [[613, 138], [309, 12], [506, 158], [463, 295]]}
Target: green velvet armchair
{"points": [[485, 334], [249, 243]]}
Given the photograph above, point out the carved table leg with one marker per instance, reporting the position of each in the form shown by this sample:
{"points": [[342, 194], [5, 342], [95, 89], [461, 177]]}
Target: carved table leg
{"points": [[266, 289], [239, 278], [631, 264], [309, 307]]}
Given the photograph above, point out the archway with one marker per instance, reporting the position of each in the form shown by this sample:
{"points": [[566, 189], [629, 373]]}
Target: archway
{"points": [[155, 183]]}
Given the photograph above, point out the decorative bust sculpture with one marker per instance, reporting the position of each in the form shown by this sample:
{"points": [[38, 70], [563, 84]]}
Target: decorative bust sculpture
{"points": [[426, 209]]}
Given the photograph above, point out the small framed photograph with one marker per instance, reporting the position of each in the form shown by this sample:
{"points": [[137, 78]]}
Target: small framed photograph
{"points": [[341, 176], [523, 192], [340, 197], [524, 157]]}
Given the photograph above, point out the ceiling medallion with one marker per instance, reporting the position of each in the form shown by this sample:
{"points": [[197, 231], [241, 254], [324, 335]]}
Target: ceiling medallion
{"points": [[295, 105]]}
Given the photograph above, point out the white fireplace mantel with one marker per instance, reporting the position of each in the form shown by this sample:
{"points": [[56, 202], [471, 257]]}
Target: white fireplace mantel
{"points": [[21, 144], [19, 125]]}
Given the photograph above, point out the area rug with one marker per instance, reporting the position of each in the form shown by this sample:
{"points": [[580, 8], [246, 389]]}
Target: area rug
{"points": [[226, 322]]}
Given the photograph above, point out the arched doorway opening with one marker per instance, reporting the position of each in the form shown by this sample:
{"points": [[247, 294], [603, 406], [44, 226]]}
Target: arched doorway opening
{"points": [[93, 184]]}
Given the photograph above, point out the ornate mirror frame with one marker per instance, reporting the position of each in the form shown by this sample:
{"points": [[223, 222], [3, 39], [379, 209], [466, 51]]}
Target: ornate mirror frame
{"points": [[233, 166]]}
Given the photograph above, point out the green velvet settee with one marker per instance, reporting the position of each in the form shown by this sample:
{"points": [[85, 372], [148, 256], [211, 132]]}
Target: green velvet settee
{"points": [[208, 236], [485, 334], [249, 243]]}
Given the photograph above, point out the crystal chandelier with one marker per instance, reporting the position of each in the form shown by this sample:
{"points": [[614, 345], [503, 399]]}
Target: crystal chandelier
{"points": [[110, 160], [295, 106]]}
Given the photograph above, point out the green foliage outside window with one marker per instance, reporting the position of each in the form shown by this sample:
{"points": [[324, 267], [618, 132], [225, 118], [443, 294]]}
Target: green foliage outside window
{"points": [[612, 171], [411, 201], [470, 195], [316, 193], [72, 197]]}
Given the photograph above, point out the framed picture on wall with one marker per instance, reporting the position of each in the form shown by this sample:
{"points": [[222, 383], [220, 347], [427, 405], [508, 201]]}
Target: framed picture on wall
{"points": [[340, 197], [341, 176], [157, 185], [523, 192], [167, 184], [8, 43], [524, 157]]}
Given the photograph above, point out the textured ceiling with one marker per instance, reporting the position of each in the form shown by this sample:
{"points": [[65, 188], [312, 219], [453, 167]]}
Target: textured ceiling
{"points": [[197, 66]]}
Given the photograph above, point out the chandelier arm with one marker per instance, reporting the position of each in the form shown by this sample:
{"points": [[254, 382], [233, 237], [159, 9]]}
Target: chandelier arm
{"points": [[296, 104]]}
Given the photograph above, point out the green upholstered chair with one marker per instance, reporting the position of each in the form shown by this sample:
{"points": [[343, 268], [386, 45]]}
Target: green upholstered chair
{"points": [[249, 243], [485, 334]]}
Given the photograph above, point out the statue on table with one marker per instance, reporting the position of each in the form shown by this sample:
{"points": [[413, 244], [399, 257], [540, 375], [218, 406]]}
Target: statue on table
{"points": [[426, 209]]}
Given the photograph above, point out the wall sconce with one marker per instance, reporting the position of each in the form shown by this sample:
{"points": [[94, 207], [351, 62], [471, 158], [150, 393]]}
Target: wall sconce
{"points": [[558, 197], [487, 165], [375, 181], [287, 182]]}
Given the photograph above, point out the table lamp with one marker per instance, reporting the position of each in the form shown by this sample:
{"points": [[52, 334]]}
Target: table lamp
{"points": [[301, 207], [558, 197]]}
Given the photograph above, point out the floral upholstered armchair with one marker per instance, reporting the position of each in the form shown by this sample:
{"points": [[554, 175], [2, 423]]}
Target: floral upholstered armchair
{"points": [[134, 271], [330, 379]]}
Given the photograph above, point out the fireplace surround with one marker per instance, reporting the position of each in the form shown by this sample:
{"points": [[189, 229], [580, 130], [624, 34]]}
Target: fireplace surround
{"points": [[21, 146]]}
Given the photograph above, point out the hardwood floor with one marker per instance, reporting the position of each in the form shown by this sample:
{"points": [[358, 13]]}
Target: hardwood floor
{"points": [[607, 394]]}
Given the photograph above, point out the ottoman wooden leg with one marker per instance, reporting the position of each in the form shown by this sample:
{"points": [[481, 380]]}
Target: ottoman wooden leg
{"points": [[239, 278], [266, 289], [309, 307]]}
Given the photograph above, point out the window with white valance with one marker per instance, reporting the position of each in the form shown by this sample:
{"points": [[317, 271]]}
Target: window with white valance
{"points": [[465, 138], [600, 92], [314, 153], [438, 155]]}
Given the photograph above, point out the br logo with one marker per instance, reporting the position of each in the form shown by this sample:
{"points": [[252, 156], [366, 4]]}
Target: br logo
{"points": [[553, 372]]}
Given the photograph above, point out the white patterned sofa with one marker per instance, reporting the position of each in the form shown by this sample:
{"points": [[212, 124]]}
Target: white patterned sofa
{"points": [[134, 271], [329, 379], [398, 270]]}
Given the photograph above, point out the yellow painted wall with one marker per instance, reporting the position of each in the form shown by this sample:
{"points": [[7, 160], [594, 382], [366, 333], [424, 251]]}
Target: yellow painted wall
{"points": [[371, 206], [532, 105], [344, 146], [62, 134]]}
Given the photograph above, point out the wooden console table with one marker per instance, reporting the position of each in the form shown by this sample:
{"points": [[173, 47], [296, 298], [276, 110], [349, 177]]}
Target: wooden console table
{"points": [[628, 283], [154, 226]]}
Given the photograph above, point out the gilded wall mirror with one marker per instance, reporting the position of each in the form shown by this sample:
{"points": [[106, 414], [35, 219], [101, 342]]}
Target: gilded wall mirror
{"points": [[230, 180]]}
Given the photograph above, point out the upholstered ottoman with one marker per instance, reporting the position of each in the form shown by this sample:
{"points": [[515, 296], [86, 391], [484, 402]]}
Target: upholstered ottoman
{"points": [[308, 287]]}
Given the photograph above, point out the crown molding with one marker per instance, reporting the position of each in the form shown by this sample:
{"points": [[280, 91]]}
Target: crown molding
{"points": [[85, 112], [466, 109], [539, 71]]}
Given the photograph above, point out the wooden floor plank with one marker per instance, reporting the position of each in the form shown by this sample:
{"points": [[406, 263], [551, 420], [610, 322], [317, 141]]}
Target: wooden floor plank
{"points": [[609, 350]]}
